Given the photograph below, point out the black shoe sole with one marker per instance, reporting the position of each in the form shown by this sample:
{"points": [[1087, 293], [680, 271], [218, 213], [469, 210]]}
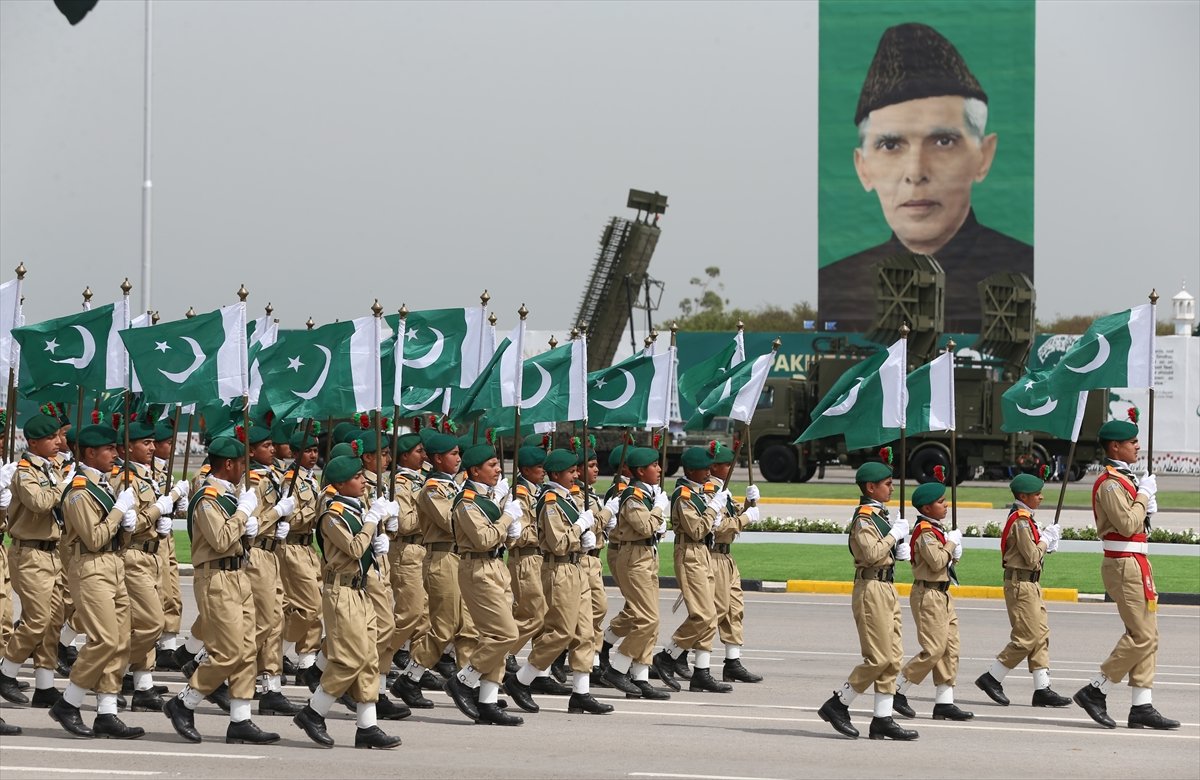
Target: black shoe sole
{"points": [[827, 719], [74, 734], [118, 736], [235, 741], [894, 739]]}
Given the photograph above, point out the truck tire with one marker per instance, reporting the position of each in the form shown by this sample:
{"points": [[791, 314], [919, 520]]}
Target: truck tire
{"points": [[805, 471], [778, 463], [925, 457]]}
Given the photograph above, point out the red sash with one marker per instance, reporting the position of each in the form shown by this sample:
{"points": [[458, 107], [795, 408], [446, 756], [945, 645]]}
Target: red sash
{"points": [[1012, 518], [1143, 562], [922, 526]]}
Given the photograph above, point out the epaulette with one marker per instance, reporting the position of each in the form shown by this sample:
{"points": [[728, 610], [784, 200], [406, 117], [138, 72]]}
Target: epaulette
{"points": [[865, 509], [685, 492], [638, 494], [336, 507], [287, 474], [24, 463], [79, 482], [551, 496], [1024, 513], [114, 471], [575, 489], [330, 490], [205, 468], [212, 491], [468, 495], [254, 476], [522, 490]]}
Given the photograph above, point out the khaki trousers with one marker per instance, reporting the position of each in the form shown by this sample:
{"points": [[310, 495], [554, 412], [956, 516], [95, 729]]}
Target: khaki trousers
{"points": [[877, 617], [349, 647], [693, 570], [487, 592], [449, 620], [593, 574], [102, 609], [731, 607], [1135, 652], [623, 621], [300, 573], [1030, 635], [225, 602], [66, 608], [263, 574], [379, 593], [639, 566], [407, 562], [6, 605], [529, 602], [172, 600], [937, 633], [568, 624], [35, 579], [143, 582]]}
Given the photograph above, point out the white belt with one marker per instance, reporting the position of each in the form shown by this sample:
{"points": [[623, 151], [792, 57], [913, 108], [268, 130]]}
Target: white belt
{"points": [[1112, 545]]}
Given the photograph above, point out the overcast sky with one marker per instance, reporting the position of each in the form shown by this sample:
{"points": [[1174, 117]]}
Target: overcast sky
{"points": [[324, 153]]}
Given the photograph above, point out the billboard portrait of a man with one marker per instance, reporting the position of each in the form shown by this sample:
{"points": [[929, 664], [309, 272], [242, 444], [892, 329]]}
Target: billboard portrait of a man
{"points": [[923, 150]]}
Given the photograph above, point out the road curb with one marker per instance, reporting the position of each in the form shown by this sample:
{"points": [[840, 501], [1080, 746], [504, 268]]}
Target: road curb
{"points": [[904, 588], [854, 502]]}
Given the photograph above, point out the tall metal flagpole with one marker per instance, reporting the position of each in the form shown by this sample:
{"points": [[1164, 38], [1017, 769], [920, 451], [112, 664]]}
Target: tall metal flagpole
{"points": [[953, 445], [377, 310], [1150, 403], [125, 481], [904, 330], [146, 138], [87, 306], [398, 354], [670, 394], [242, 295], [520, 346], [483, 302], [187, 446], [581, 331], [10, 394]]}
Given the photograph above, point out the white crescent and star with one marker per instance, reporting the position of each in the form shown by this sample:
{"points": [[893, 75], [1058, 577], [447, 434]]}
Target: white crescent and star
{"points": [[542, 391], [89, 349], [623, 398], [1049, 406], [725, 391], [425, 404], [179, 377], [430, 357], [847, 403], [312, 392], [1102, 352]]}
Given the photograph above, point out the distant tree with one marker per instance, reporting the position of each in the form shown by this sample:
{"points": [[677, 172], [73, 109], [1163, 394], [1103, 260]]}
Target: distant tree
{"points": [[708, 299], [1078, 323]]}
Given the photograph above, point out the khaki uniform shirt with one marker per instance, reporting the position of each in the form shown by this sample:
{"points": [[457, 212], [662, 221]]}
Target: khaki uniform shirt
{"points": [[635, 520], [1115, 510], [474, 529], [690, 523], [343, 549], [408, 490], [37, 487], [870, 548], [216, 534], [308, 502], [434, 506], [1020, 551], [527, 494], [266, 485], [557, 532], [84, 519], [141, 479], [931, 559]]}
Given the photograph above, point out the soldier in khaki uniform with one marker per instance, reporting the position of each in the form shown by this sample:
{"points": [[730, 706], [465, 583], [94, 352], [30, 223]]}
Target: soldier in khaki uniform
{"points": [[64, 463], [876, 545], [1123, 505], [481, 528], [93, 522], [299, 566], [641, 521], [727, 579], [933, 553], [619, 626], [350, 545], [407, 563], [6, 621], [164, 440], [1023, 549], [37, 488], [524, 554], [143, 578], [218, 519], [593, 571]]}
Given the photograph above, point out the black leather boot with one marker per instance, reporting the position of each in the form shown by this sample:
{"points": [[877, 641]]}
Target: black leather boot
{"points": [[275, 703], [111, 727], [1095, 704], [950, 712], [127, 683], [445, 666], [44, 698], [902, 707], [310, 676], [665, 666], [183, 656], [558, 669], [314, 726], [289, 667], [68, 717], [511, 665], [463, 697], [992, 687], [220, 697], [1144, 716], [374, 739], [490, 714], [837, 714], [148, 700], [520, 693], [248, 732], [733, 671], [408, 691], [10, 691], [182, 719], [549, 686], [401, 658], [8, 729], [702, 680], [682, 670], [597, 678], [387, 709], [165, 660], [647, 691], [586, 703], [430, 682], [887, 728], [1046, 697], [622, 682], [605, 649]]}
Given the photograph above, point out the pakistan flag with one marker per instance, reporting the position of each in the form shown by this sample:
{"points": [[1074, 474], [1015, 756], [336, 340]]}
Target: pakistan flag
{"points": [[1036, 403], [194, 360], [631, 394], [440, 347], [332, 371], [82, 350]]}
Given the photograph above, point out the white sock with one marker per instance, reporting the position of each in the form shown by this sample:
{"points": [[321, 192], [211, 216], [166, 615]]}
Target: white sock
{"points": [[239, 710], [846, 694], [274, 684], [1101, 682], [190, 697], [321, 702], [1041, 679], [619, 662], [9, 668], [640, 672], [999, 671], [703, 659], [732, 652], [366, 714], [489, 692], [414, 671], [143, 681], [610, 637], [321, 661], [289, 649], [43, 678], [595, 660], [306, 660], [903, 684], [883, 705], [527, 674], [382, 684], [674, 650], [469, 676], [106, 704], [67, 634], [193, 645], [73, 695], [581, 683], [1141, 696], [168, 641], [944, 695]]}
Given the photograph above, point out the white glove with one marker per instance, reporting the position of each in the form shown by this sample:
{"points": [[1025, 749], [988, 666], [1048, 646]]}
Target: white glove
{"points": [[751, 514], [380, 545], [392, 525], [1152, 506], [1052, 533], [129, 520], [903, 553], [1148, 485], [587, 541], [6, 474], [662, 502], [285, 506], [513, 509], [163, 527], [165, 505], [957, 554], [251, 526], [586, 520], [181, 506], [716, 522], [752, 493], [502, 490], [125, 500], [899, 530], [611, 524], [515, 528], [662, 528], [377, 512], [5, 498], [613, 505], [954, 537], [282, 529], [70, 475], [181, 489], [247, 502]]}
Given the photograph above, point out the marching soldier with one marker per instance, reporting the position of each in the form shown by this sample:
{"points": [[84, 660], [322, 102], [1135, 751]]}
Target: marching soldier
{"points": [[640, 523], [407, 562], [218, 519], [6, 621], [876, 545], [172, 606], [1123, 505], [727, 579], [299, 566], [346, 533], [37, 489], [933, 551], [480, 529], [1024, 549], [593, 571], [524, 554], [93, 522], [695, 517], [618, 627]]}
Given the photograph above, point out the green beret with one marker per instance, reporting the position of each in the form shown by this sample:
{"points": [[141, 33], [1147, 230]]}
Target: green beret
{"points": [[226, 447], [872, 472], [1025, 483], [298, 442], [722, 453], [426, 434], [535, 440], [477, 455], [927, 493], [283, 431], [341, 469], [407, 442], [258, 434], [559, 460], [914, 61], [640, 457], [71, 435], [1117, 430], [531, 456], [695, 458], [163, 431], [345, 431], [41, 426], [138, 430], [440, 443], [97, 436], [342, 450], [585, 456], [614, 457], [368, 442]]}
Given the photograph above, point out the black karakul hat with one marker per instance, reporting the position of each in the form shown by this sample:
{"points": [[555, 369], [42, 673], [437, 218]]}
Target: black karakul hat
{"points": [[914, 61]]}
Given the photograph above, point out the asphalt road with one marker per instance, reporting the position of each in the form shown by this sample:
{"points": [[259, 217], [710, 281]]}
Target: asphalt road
{"points": [[803, 644]]}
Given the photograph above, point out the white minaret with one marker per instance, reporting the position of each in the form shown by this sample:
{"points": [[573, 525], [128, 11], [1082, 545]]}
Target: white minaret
{"points": [[1185, 312]]}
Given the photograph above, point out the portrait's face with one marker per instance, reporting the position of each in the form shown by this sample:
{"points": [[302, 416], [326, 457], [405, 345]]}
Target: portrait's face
{"points": [[921, 161]]}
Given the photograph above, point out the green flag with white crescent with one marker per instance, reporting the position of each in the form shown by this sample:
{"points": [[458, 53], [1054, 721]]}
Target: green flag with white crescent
{"points": [[73, 351], [633, 393], [1116, 351], [867, 405], [440, 347], [551, 387], [1035, 404], [930, 404], [331, 371], [194, 360], [701, 378], [737, 396]]}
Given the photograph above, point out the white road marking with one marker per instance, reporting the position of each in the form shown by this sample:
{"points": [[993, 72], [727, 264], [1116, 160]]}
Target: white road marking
{"points": [[64, 770], [698, 777], [95, 751]]}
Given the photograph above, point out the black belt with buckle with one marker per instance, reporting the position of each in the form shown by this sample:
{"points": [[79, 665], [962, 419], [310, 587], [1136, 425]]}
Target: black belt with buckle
{"points": [[267, 544], [232, 563], [410, 539], [114, 545], [150, 547], [1022, 575], [44, 545], [885, 574], [490, 554], [722, 548], [357, 581], [942, 585], [440, 547], [568, 558], [517, 553], [304, 540], [613, 547], [594, 553]]}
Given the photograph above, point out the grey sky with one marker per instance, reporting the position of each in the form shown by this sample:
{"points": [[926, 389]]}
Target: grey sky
{"points": [[324, 153]]}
